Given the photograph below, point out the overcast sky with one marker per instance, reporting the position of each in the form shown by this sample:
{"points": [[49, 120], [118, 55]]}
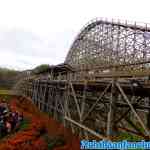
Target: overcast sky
{"points": [[34, 32]]}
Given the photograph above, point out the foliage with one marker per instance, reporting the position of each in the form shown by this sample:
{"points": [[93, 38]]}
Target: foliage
{"points": [[38, 132], [9, 72], [41, 68], [7, 78], [4, 94], [54, 141], [24, 124], [129, 137]]}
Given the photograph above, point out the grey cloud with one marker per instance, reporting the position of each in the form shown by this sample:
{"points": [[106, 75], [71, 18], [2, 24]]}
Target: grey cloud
{"points": [[28, 50], [20, 41]]}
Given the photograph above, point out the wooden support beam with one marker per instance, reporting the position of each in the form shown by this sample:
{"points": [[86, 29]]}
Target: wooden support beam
{"points": [[148, 115], [111, 114], [133, 110], [103, 93], [76, 100], [83, 101], [86, 128]]}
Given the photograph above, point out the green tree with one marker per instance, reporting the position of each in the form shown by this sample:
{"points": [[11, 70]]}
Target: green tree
{"points": [[41, 68]]}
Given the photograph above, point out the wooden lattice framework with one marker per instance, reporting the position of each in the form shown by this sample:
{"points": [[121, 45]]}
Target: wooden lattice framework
{"points": [[108, 88]]}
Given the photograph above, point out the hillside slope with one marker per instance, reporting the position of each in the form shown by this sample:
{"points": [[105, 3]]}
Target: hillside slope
{"points": [[42, 132]]}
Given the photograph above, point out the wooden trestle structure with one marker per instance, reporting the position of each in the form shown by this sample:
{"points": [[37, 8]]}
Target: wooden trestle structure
{"points": [[104, 84]]}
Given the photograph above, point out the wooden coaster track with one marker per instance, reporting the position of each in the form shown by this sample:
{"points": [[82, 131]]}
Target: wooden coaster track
{"points": [[103, 85]]}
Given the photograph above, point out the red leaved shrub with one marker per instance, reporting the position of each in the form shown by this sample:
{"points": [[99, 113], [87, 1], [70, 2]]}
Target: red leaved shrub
{"points": [[32, 138]]}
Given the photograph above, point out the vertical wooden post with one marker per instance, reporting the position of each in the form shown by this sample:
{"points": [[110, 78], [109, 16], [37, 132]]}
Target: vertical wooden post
{"points": [[111, 114], [148, 115]]}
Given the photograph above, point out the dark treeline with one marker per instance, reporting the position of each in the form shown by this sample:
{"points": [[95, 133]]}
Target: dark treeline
{"points": [[8, 78], [41, 68]]}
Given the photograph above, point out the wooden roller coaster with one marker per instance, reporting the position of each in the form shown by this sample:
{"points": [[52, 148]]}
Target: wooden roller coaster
{"points": [[104, 84]]}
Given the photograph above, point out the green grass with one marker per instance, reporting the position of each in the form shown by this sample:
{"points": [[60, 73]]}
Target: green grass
{"points": [[53, 142], [6, 97], [24, 124], [129, 137], [4, 92]]}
